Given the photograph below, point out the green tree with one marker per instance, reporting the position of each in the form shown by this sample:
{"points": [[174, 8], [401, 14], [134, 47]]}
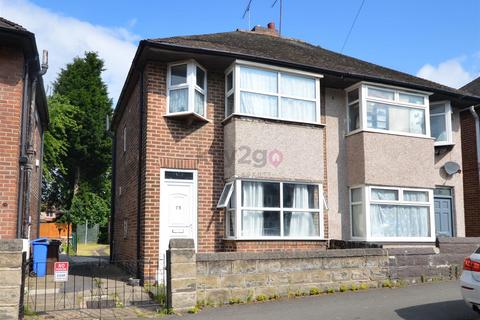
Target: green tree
{"points": [[89, 156], [78, 164], [56, 148]]}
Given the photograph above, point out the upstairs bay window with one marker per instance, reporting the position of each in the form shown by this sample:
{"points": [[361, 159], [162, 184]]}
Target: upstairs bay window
{"points": [[272, 210], [267, 92], [391, 214], [441, 122], [386, 109], [186, 89]]}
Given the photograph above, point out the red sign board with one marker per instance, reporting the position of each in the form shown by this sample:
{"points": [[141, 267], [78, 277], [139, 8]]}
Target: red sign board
{"points": [[60, 271]]}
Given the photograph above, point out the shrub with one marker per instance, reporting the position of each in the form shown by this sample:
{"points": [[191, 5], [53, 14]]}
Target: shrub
{"points": [[363, 286], [343, 288], [314, 291], [261, 297]]}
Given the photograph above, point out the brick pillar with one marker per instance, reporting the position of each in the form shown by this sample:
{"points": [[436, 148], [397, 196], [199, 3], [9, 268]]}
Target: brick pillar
{"points": [[181, 275], [10, 278]]}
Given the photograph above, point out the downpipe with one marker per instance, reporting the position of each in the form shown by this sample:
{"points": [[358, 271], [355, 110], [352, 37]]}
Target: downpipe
{"points": [[30, 147]]}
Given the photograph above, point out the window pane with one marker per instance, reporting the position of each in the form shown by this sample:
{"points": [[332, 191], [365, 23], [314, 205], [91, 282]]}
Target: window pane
{"points": [[229, 81], [353, 117], [438, 127], [178, 100], [359, 222], [254, 79], [231, 223], [357, 195], [297, 86], [395, 118], [260, 223], [415, 196], [178, 75], [299, 110], [300, 196], [437, 108], [381, 93], [301, 224], [384, 194], [230, 104], [411, 98], [225, 196], [178, 175], [199, 103], [443, 192], [260, 194], [258, 104], [353, 95], [399, 221], [200, 78]]}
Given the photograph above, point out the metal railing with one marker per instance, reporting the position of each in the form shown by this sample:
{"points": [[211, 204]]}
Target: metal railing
{"points": [[94, 283]]}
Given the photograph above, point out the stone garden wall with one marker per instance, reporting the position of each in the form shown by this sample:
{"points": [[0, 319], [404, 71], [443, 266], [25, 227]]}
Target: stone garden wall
{"points": [[233, 277], [10, 278]]}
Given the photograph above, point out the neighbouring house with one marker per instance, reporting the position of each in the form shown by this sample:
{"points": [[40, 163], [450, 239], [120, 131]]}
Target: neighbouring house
{"points": [[24, 117], [250, 141], [471, 161]]}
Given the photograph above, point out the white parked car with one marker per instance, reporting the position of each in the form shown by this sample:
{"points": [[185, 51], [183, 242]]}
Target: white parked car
{"points": [[470, 280]]}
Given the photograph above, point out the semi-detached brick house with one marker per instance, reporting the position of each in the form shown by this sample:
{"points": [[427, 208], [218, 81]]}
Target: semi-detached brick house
{"points": [[471, 162], [248, 141], [23, 119]]}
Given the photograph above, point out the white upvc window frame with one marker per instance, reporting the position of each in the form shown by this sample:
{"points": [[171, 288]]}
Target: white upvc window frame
{"points": [[190, 85], [362, 88], [447, 114], [237, 193], [367, 201], [234, 68]]}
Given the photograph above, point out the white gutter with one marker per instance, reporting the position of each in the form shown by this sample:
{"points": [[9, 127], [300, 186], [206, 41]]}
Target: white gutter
{"points": [[477, 135]]}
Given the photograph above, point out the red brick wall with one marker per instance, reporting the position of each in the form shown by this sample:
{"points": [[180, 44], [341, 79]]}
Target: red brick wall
{"points": [[11, 89], [172, 143], [471, 187], [262, 246], [126, 183]]}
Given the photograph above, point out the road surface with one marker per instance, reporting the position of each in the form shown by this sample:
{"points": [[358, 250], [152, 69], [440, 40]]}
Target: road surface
{"points": [[436, 301]]}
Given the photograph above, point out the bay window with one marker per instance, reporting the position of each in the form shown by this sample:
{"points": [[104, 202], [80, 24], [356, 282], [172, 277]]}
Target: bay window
{"points": [[387, 109], [267, 92], [273, 210], [441, 122], [186, 89], [391, 214]]}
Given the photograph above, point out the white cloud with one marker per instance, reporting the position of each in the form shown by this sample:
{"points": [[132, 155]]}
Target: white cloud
{"points": [[67, 37], [450, 73]]}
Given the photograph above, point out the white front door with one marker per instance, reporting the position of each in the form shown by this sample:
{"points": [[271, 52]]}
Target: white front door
{"points": [[178, 207]]}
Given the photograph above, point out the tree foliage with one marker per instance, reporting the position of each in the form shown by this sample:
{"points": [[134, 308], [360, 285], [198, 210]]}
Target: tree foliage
{"points": [[77, 145]]}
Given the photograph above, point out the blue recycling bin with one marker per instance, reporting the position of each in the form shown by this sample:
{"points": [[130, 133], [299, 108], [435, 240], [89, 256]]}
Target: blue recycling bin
{"points": [[40, 248]]}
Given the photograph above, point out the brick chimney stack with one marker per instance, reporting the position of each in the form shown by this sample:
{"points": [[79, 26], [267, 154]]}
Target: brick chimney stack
{"points": [[269, 30]]}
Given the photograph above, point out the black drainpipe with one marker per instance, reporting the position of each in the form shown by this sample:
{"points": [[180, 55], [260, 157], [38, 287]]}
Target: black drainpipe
{"points": [[140, 164], [23, 159], [40, 169], [112, 201]]}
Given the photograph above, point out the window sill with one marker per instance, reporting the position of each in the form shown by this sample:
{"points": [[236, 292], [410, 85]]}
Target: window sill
{"points": [[277, 239], [396, 239], [188, 117], [444, 144], [410, 135], [267, 119]]}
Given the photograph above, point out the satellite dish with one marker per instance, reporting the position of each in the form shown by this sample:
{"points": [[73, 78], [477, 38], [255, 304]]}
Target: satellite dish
{"points": [[451, 168]]}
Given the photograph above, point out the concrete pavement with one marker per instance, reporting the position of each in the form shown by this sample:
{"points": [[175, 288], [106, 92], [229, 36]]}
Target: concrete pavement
{"points": [[436, 301]]}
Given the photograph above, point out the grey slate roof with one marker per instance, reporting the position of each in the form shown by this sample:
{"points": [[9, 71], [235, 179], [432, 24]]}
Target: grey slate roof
{"points": [[472, 87], [292, 51], [7, 24]]}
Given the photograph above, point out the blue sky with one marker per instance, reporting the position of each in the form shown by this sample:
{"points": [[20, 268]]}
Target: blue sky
{"points": [[439, 40]]}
